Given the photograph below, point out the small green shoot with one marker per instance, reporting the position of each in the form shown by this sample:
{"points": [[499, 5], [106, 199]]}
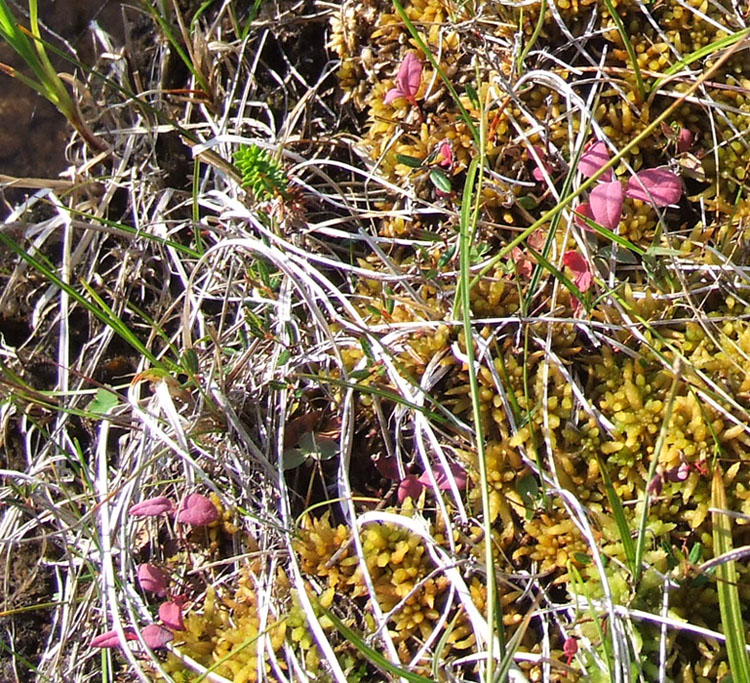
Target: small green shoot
{"points": [[261, 173]]}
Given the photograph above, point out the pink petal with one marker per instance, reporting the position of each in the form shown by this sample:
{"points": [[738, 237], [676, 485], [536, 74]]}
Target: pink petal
{"points": [[442, 479], [170, 614], [152, 507], [583, 209], [197, 510], [156, 636], [606, 204], [111, 639], [657, 185], [581, 273], [392, 94], [409, 75], [152, 579], [685, 140], [593, 159], [410, 487]]}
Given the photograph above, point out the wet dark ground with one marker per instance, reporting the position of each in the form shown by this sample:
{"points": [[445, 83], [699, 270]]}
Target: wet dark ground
{"points": [[33, 134]]}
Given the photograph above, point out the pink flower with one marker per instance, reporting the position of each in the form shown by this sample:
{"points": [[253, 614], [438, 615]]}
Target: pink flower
{"points": [[407, 80], [171, 615], [197, 510], [152, 579], [151, 507], [679, 473], [156, 636], [111, 639]]}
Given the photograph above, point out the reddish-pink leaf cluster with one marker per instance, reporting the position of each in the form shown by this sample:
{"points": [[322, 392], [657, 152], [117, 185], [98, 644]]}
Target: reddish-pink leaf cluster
{"points": [[659, 186], [195, 509], [407, 80], [154, 636]]}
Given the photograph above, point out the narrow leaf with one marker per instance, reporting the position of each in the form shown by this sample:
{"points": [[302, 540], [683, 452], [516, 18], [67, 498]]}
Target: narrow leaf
{"points": [[440, 180], [406, 160], [729, 599]]}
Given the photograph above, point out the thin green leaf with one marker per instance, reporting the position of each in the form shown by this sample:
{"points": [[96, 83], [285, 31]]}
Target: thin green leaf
{"points": [[406, 160], [440, 180], [629, 48], [729, 599], [373, 655]]}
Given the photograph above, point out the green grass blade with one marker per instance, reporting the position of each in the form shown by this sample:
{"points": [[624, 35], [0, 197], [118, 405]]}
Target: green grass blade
{"points": [[618, 512], [373, 655], [630, 50], [726, 586]]}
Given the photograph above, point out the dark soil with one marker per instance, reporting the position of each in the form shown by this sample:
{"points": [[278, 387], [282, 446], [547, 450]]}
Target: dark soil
{"points": [[33, 134]]}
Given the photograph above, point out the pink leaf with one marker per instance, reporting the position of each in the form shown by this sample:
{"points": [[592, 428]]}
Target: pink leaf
{"points": [[538, 173], [606, 204], [593, 159], [111, 639], [156, 636], [171, 615], [387, 466], [446, 154], [657, 185], [443, 480], [197, 510], [152, 579], [152, 507], [410, 487], [583, 209], [581, 273], [409, 75], [392, 94], [407, 80], [685, 140]]}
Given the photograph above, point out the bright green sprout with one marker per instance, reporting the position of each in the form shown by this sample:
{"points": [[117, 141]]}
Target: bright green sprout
{"points": [[261, 173]]}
